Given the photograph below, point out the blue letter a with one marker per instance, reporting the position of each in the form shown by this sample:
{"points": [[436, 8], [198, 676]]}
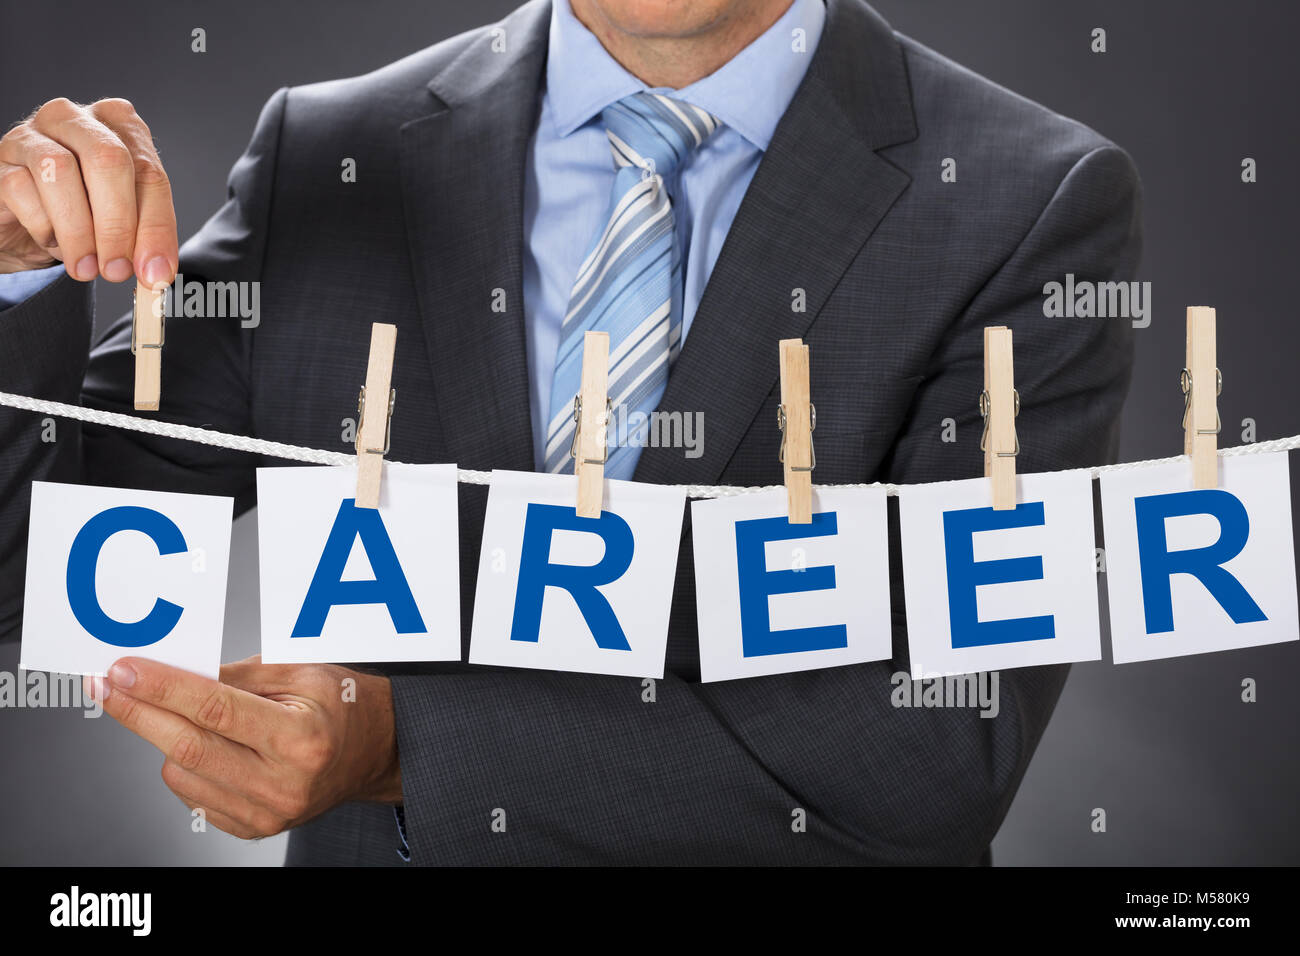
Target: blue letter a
{"points": [[389, 586]]}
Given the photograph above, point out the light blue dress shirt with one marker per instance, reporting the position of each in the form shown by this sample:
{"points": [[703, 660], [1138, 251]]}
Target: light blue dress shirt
{"points": [[17, 287], [571, 171]]}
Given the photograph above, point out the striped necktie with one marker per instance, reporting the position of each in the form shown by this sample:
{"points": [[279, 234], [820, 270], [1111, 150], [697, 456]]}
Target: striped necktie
{"points": [[630, 284]]}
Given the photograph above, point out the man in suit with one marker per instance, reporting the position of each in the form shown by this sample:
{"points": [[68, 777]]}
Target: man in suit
{"points": [[800, 192]]}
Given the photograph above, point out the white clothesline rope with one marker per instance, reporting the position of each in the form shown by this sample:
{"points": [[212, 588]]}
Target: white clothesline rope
{"points": [[317, 456]]}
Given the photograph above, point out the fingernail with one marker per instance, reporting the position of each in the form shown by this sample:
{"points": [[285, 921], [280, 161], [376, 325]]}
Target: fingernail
{"points": [[87, 268], [157, 270], [121, 675], [94, 687], [119, 270]]}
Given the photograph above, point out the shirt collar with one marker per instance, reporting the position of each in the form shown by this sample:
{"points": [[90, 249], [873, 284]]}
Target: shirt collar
{"points": [[749, 93]]}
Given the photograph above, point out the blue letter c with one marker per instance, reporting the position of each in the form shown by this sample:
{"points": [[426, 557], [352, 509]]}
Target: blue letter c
{"points": [[83, 558]]}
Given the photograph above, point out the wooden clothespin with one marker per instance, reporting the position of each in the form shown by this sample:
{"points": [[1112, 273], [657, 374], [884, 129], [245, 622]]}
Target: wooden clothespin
{"points": [[148, 330], [375, 430], [796, 417], [1202, 384], [590, 421], [999, 406]]}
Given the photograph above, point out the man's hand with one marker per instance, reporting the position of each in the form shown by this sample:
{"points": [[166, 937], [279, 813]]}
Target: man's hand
{"points": [[267, 747], [83, 185]]}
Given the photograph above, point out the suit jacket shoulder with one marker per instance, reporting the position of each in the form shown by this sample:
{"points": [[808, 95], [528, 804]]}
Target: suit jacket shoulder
{"points": [[1003, 143], [428, 80]]}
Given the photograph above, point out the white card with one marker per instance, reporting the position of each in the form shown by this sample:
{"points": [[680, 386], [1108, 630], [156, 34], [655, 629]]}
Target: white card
{"points": [[1020, 596], [347, 584], [115, 572], [612, 617], [773, 598], [1209, 570]]}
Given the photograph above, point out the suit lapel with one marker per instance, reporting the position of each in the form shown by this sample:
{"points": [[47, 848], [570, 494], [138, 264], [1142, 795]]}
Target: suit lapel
{"points": [[818, 194], [462, 181]]}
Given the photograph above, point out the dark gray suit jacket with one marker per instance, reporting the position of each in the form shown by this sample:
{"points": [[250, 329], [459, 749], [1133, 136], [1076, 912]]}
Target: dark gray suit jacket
{"points": [[900, 272]]}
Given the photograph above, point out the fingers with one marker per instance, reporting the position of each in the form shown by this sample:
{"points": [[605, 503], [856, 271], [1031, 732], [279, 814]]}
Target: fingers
{"points": [[57, 177], [108, 179], [224, 809], [181, 742], [18, 193], [238, 789], [101, 187], [251, 675], [281, 682], [207, 704], [156, 254]]}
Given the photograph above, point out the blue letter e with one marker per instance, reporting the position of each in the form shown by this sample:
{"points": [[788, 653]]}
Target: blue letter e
{"points": [[1205, 564], [965, 574], [389, 586], [83, 558], [757, 584], [536, 572]]}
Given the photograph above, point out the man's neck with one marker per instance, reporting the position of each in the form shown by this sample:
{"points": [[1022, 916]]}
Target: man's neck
{"points": [[677, 61]]}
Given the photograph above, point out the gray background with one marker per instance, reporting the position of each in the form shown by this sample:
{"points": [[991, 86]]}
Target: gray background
{"points": [[1187, 773]]}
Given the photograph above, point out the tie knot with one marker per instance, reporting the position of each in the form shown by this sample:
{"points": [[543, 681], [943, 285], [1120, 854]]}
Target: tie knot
{"points": [[655, 132]]}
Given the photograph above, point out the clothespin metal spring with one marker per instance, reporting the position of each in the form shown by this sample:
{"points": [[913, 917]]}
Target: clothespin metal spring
{"points": [[984, 414], [577, 431], [388, 427], [1185, 380], [162, 330], [812, 449]]}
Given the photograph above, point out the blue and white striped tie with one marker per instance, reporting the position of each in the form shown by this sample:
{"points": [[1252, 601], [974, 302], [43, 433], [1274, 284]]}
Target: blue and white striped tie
{"points": [[630, 284]]}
